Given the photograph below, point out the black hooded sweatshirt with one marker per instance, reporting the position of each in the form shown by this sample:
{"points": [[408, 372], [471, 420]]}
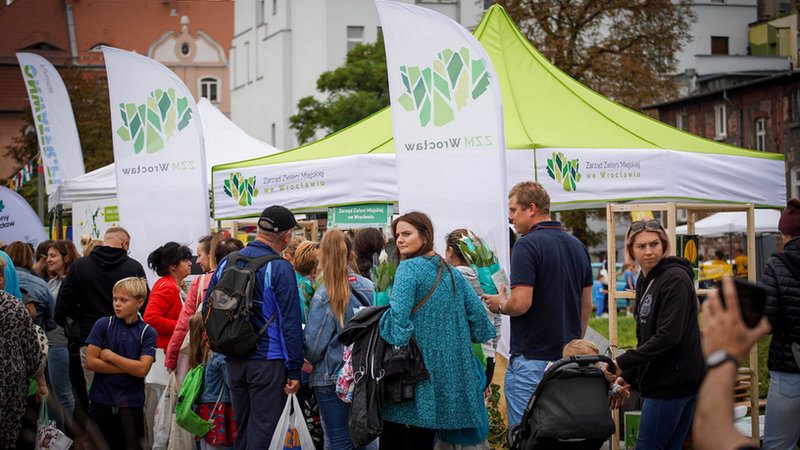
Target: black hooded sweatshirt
{"points": [[86, 292], [668, 361]]}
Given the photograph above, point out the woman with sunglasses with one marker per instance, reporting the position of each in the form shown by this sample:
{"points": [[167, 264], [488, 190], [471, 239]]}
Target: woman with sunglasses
{"points": [[667, 364]]}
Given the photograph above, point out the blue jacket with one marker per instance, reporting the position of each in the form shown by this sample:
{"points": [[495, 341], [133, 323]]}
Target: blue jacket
{"points": [[321, 344], [39, 292], [275, 293]]}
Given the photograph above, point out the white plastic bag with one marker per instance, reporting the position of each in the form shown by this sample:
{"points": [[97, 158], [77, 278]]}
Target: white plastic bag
{"points": [[162, 423], [48, 437], [291, 432]]}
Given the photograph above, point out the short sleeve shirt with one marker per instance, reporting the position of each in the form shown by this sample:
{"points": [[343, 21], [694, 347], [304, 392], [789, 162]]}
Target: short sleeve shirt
{"points": [[130, 341], [557, 266]]}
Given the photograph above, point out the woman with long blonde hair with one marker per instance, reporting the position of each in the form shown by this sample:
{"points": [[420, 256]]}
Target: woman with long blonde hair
{"points": [[342, 293]]}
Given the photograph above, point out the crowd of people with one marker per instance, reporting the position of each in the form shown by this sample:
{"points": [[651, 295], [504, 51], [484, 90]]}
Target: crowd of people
{"points": [[102, 348]]}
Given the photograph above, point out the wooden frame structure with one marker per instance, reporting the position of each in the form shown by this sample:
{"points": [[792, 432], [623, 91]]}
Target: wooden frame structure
{"points": [[670, 208]]}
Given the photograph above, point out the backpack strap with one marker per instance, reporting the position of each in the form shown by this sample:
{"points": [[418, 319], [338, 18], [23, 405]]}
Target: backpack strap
{"points": [[789, 265], [433, 289], [360, 297], [254, 264]]}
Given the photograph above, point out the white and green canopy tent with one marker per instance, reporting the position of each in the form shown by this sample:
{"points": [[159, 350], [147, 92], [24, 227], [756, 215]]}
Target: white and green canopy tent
{"points": [[585, 149]]}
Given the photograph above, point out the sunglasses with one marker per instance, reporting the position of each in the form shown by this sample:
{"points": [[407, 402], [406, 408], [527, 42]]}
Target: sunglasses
{"points": [[639, 225]]}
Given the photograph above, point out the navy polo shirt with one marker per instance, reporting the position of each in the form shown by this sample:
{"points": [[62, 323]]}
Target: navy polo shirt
{"points": [[127, 340], [557, 266]]}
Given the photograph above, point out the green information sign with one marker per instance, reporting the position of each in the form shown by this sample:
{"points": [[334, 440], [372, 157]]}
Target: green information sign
{"points": [[359, 216], [111, 214]]}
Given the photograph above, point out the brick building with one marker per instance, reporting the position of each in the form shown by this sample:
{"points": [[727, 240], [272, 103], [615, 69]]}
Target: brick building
{"points": [[191, 37], [761, 114]]}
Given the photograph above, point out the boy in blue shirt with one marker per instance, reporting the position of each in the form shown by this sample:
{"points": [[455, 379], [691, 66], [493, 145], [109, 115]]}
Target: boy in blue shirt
{"points": [[121, 349]]}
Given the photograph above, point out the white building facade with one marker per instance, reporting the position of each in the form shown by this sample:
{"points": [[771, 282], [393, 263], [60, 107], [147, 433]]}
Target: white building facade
{"points": [[280, 47], [720, 29]]}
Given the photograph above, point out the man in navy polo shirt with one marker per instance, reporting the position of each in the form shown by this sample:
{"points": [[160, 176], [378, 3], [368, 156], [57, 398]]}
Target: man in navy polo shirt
{"points": [[551, 293], [121, 349]]}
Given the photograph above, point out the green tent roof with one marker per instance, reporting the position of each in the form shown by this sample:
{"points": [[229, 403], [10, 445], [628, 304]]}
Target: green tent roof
{"points": [[543, 107]]}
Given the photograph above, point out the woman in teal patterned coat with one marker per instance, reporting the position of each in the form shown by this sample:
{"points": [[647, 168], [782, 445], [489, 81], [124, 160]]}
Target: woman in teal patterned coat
{"points": [[444, 328]]}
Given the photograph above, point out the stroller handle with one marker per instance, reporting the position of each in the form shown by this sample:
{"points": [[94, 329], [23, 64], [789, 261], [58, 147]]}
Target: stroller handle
{"points": [[584, 360]]}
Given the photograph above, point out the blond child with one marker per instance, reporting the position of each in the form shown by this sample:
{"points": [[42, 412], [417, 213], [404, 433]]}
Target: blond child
{"points": [[584, 347], [121, 349]]}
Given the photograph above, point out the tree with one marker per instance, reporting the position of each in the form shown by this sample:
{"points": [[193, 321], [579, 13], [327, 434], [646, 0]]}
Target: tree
{"points": [[88, 93], [623, 49], [355, 90]]}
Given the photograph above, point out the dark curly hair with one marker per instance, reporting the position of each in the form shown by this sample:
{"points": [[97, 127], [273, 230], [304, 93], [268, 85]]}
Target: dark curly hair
{"points": [[169, 254]]}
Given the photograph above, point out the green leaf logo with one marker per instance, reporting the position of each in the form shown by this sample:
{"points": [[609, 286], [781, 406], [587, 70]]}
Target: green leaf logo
{"points": [[150, 125], [437, 93], [241, 189], [566, 173]]}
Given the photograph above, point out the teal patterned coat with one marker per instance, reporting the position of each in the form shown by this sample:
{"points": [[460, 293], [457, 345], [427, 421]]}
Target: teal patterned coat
{"points": [[444, 328]]}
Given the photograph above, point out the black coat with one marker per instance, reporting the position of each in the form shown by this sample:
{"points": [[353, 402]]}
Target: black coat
{"points": [[783, 308], [86, 292], [668, 360], [381, 372]]}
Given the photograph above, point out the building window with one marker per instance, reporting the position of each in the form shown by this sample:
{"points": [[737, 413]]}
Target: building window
{"points": [[680, 121], [794, 178], [761, 134], [720, 121], [260, 11], [355, 36], [274, 7], [795, 105], [249, 76], [272, 133], [209, 88], [719, 45]]}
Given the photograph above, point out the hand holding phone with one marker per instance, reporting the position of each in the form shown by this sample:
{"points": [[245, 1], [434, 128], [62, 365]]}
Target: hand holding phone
{"points": [[752, 299]]}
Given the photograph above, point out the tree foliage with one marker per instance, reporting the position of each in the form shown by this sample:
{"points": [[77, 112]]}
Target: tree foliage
{"points": [[623, 49], [355, 90], [88, 93]]}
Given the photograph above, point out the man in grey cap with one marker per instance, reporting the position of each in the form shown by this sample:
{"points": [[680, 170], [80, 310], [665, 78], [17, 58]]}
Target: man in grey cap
{"points": [[261, 380]]}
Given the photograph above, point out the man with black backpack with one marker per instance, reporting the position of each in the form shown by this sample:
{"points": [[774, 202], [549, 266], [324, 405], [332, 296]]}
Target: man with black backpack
{"points": [[252, 316]]}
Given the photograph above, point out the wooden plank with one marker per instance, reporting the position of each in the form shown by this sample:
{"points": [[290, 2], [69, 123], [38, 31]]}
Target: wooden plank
{"points": [[628, 207], [713, 207]]}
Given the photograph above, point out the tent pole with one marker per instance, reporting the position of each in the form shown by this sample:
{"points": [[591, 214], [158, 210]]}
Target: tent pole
{"points": [[611, 256], [751, 277]]}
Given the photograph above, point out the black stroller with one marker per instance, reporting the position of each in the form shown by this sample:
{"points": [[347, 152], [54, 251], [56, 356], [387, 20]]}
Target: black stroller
{"points": [[569, 409]]}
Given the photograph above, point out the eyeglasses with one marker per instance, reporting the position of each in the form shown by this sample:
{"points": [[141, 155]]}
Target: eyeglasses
{"points": [[639, 225]]}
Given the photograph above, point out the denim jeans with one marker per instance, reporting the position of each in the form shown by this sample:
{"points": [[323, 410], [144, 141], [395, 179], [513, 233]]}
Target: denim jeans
{"points": [[60, 386], [782, 422], [522, 378], [334, 414], [665, 423]]}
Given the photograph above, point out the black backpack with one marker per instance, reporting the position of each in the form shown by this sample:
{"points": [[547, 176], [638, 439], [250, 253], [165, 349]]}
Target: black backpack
{"points": [[230, 305]]}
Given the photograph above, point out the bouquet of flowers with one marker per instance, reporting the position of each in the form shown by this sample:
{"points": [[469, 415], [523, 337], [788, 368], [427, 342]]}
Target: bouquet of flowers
{"points": [[383, 274], [482, 259]]}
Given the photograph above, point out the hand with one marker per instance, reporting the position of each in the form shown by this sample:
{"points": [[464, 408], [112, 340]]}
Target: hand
{"points": [[611, 376], [493, 302], [723, 328], [620, 391], [106, 355], [307, 367], [292, 386], [41, 384], [170, 369]]}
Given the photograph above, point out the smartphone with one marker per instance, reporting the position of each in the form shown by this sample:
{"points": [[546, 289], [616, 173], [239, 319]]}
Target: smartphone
{"points": [[752, 299]]}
